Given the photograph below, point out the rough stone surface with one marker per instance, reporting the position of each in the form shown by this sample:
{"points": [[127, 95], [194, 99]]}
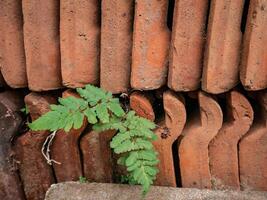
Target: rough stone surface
{"points": [[116, 44], [80, 42], [97, 156], [141, 103], [10, 121], [65, 149], [12, 56], [253, 70], [186, 51], [99, 191], [36, 175], [253, 150], [41, 40], [193, 149], [151, 40], [223, 149], [222, 52]]}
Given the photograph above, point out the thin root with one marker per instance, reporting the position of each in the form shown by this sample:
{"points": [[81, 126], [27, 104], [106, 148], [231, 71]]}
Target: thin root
{"points": [[46, 149]]}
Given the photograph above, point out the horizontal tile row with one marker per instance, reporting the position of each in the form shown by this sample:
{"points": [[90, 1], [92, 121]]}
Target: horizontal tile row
{"points": [[203, 142], [219, 150], [54, 44]]}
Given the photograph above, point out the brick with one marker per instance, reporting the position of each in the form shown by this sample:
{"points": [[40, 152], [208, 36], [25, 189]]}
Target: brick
{"points": [[253, 150], [223, 149], [41, 40], [12, 55], [193, 149], [188, 37], [116, 44], [142, 104], [222, 52], [169, 130], [151, 40], [80, 42], [65, 150], [253, 70], [35, 173], [10, 121], [97, 156]]}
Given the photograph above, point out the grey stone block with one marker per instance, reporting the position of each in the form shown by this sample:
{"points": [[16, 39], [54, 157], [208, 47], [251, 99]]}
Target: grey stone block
{"points": [[105, 191]]}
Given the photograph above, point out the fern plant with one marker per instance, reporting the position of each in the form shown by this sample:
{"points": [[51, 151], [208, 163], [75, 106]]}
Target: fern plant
{"points": [[133, 141]]}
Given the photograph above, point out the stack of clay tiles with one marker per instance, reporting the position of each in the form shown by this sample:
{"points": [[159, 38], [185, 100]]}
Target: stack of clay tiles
{"points": [[198, 69]]}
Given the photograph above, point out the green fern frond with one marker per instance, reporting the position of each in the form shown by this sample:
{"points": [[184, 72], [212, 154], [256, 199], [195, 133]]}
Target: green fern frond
{"points": [[133, 140], [68, 114], [73, 103], [114, 123], [90, 115], [119, 139], [141, 166], [141, 158], [102, 112], [115, 107], [94, 95]]}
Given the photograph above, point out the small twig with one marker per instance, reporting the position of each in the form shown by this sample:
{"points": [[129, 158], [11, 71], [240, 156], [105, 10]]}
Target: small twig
{"points": [[46, 148]]}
